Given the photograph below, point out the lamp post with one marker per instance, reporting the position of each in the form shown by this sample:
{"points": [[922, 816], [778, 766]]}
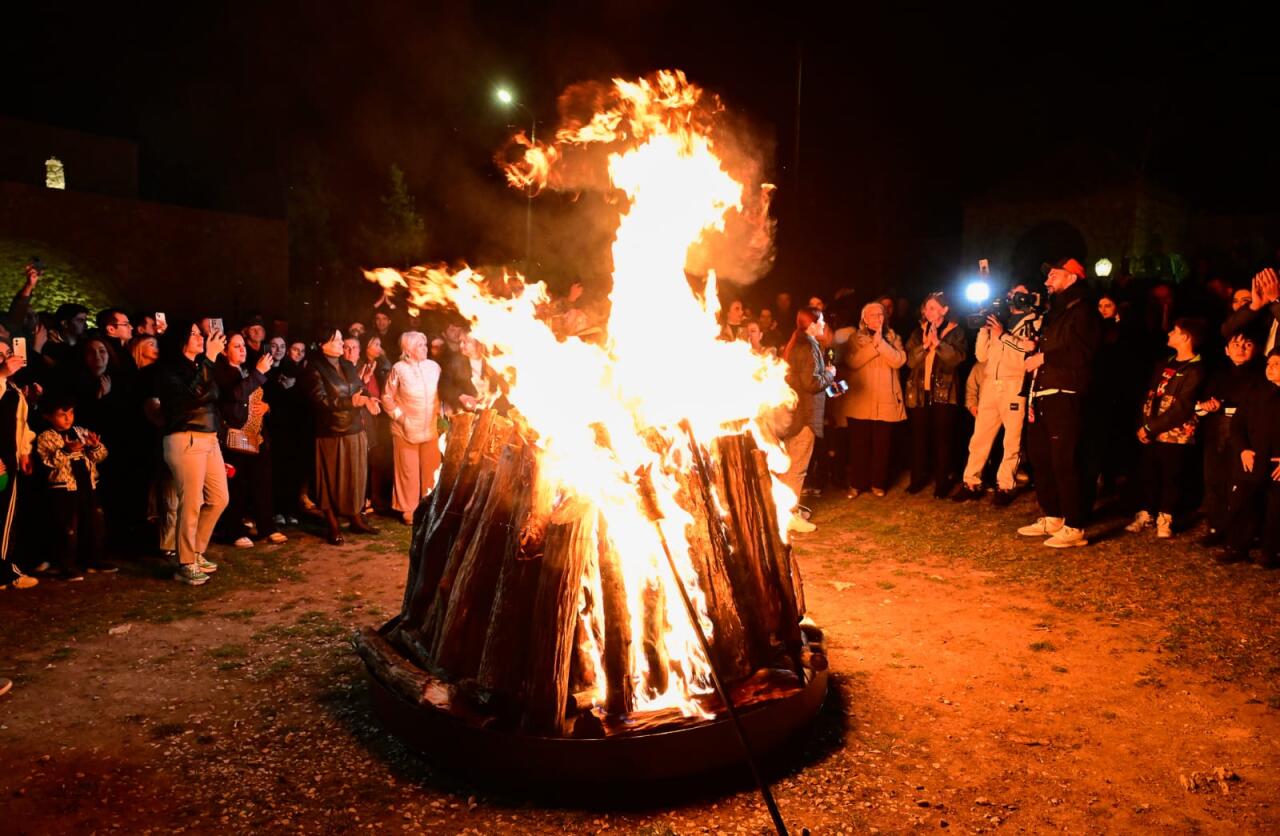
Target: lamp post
{"points": [[1102, 268], [507, 99]]}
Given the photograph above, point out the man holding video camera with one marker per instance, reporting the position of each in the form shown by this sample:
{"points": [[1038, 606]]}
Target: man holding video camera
{"points": [[1061, 371], [1006, 338]]}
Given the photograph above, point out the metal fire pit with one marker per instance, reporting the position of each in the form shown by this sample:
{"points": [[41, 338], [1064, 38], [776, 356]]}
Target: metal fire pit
{"points": [[649, 757]]}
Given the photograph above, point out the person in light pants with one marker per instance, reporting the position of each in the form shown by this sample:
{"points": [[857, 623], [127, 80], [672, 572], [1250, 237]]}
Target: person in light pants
{"points": [[410, 397], [1001, 354]]}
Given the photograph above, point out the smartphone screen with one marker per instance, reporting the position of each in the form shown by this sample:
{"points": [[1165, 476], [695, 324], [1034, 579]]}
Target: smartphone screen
{"points": [[160, 318], [215, 325]]}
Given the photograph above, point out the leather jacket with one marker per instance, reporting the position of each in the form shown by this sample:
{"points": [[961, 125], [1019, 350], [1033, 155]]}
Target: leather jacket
{"points": [[330, 389], [188, 395], [944, 385]]}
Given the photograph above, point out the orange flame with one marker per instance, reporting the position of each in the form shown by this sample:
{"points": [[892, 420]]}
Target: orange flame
{"points": [[662, 361]]}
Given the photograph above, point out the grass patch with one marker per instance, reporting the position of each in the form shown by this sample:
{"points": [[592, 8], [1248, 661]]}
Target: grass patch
{"points": [[229, 651]]}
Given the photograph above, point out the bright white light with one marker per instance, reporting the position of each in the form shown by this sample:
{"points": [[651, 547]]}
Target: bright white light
{"points": [[977, 292], [1102, 268], [504, 96]]}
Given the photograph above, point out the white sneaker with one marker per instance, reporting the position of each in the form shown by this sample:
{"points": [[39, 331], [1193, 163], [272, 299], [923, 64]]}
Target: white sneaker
{"points": [[275, 538], [205, 565], [1042, 527], [1164, 526], [1066, 538], [799, 525], [188, 573], [243, 543], [1141, 520]]}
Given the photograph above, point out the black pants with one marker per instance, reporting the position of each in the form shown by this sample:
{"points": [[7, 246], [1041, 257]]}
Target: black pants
{"points": [[250, 494], [869, 446], [1254, 495], [1053, 444], [933, 429], [1165, 469], [1219, 467], [79, 525]]}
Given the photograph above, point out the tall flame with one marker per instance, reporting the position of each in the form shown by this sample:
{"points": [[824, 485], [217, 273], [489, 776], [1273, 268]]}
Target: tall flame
{"points": [[661, 363]]}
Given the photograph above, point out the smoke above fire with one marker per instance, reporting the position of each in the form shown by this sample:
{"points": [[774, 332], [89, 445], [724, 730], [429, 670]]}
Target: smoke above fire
{"points": [[597, 120]]}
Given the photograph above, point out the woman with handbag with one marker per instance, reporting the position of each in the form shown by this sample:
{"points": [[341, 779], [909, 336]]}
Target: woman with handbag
{"points": [[244, 445], [342, 451]]}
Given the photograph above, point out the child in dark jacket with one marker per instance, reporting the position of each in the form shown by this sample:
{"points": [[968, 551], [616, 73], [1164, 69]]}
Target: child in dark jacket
{"points": [[72, 454], [1229, 387], [1255, 434], [1168, 431]]}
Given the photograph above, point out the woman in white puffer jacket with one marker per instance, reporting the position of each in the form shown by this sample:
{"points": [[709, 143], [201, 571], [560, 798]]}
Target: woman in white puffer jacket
{"points": [[410, 398]]}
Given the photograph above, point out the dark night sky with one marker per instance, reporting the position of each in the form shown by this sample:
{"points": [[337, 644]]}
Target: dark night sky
{"points": [[905, 112]]}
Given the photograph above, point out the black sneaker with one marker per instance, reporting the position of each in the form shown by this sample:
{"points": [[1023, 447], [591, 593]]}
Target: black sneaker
{"points": [[913, 488], [966, 493], [99, 568], [1002, 498]]}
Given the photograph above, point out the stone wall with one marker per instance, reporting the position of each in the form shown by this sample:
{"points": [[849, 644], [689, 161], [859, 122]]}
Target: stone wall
{"points": [[145, 256]]}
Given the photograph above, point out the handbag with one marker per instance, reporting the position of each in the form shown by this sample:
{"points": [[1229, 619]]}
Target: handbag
{"points": [[247, 439]]}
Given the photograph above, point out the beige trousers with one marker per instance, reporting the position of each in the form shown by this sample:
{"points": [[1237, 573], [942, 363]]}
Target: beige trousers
{"points": [[416, 466], [999, 406], [799, 449], [201, 480]]}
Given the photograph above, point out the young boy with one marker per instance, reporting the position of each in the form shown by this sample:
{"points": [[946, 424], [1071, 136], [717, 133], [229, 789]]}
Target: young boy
{"points": [[1255, 433], [1229, 387], [72, 455]]}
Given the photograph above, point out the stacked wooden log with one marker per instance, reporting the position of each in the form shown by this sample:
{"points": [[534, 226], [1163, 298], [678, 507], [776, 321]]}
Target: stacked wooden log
{"points": [[512, 596]]}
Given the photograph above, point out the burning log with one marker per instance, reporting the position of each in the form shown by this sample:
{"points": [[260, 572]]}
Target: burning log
{"points": [[518, 599], [617, 628], [570, 537]]}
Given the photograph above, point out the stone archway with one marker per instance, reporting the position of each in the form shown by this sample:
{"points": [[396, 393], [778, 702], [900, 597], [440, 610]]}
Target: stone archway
{"points": [[1047, 241]]}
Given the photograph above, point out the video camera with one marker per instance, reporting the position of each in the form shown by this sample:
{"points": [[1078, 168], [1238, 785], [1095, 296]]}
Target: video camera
{"points": [[1003, 307]]}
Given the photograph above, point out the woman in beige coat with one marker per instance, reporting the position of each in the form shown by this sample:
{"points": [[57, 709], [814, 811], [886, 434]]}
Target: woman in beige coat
{"points": [[874, 402], [411, 400]]}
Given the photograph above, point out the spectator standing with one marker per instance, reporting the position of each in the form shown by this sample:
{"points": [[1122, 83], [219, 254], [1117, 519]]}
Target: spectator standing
{"points": [[16, 440], [1256, 434], [874, 402], [1168, 431], [71, 456], [339, 402], [1001, 352], [1261, 317], [374, 368], [245, 444], [412, 403], [189, 400], [1227, 389], [935, 352], [809, 377], [289, 427], [1062, 371]]}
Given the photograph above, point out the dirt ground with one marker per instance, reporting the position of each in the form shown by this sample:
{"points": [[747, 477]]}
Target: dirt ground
{"points": [[980, 682]]}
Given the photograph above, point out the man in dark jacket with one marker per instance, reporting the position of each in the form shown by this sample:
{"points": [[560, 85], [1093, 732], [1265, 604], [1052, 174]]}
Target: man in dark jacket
{"points": [[1256, 435], [809, 377], [1061, 371]]}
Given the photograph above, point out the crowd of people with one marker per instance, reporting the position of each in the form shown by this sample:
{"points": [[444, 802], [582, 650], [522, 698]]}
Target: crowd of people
{"points": [[1164, 397], [131, 432], [125, 432]]}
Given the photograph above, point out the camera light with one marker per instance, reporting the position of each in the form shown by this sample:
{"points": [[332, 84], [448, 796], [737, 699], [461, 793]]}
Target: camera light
{"points": [[977, 292]]}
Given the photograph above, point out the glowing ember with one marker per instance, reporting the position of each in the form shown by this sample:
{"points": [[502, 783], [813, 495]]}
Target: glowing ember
{"points": [[603, 413]]}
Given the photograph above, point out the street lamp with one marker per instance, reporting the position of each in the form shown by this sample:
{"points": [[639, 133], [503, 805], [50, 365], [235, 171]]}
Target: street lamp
{"points": [[507, 99], [1102, 268]]}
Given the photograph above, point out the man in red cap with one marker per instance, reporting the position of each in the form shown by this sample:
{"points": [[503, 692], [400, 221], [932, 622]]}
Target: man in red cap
{"points": [[1061, 370]]}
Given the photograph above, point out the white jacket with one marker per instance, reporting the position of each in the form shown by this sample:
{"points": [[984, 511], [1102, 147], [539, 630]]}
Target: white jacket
{"points": [[412, 400]]}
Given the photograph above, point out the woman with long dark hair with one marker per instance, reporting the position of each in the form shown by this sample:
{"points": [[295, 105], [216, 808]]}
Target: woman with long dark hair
{"points": [[245, 444], [809, 377]]}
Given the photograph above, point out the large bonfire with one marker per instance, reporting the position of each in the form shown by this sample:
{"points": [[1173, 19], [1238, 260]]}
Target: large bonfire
{"points": [[614, 432]]}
